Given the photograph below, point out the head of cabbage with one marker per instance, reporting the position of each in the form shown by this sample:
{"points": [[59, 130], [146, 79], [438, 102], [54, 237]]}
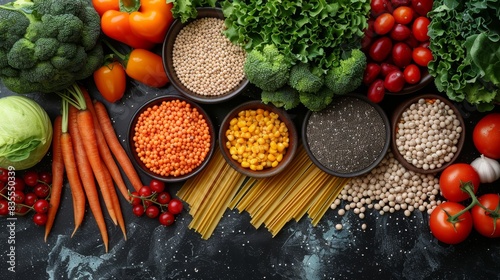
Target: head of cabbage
{"points": [[25, 132]]}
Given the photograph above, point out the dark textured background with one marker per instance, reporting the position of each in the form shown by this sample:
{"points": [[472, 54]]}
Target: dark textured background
{"points": [[392, 247]]}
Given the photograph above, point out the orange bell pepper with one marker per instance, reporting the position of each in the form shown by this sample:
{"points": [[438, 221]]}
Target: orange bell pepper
{"points": [[137, 23]]}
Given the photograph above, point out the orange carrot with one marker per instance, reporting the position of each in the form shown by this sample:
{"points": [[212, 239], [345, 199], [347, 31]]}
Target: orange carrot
{"points": [[87, 176], [57, 175], [87, 129], [116, 203], [74, 179], [115, 146], [105, 152]]}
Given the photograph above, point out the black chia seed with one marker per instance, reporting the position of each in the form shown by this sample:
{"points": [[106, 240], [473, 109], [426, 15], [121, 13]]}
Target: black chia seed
{"points": [[347, 136]]}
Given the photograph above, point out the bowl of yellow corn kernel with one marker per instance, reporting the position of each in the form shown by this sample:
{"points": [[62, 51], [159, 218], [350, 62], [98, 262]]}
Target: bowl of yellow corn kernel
{"points": [[258, 140]]}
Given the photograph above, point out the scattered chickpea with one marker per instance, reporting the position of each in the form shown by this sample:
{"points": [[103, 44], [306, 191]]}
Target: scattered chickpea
{"points": [[257, 139], [204, 59], [172, 138], [338, 226]]}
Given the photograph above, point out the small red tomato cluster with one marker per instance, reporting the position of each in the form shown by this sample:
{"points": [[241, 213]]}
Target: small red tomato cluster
{"points": [[396, 44], [21, 194], [451, 222], [154, 201]]}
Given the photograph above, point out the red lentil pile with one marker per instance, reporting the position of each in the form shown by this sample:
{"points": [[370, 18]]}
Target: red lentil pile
{"points": [[172, 138]]}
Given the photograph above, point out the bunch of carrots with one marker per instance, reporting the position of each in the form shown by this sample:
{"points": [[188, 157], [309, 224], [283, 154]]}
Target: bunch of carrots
{"points": [[86, 149]]}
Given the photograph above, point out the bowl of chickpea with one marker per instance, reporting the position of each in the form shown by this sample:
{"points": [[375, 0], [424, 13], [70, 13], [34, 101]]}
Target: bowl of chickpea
{"points": [[428, 133], [200, 61], [171, 138], [258, 140]]}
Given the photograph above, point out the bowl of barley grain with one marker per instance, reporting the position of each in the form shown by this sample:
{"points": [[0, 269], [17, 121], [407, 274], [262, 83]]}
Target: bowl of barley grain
{"points": [[201, 62]]}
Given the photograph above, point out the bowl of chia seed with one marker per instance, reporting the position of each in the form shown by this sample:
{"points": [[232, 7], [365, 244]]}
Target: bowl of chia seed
{"points": [[200, 61], [348, 138]]}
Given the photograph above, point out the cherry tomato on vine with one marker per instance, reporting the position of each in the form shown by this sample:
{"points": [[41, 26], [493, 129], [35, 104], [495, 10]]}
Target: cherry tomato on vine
{"points": [[134, 199], [41, 206], [18, 184], [41, 190], [383, 24], [45, 177], [486, 135], [166, 218], [138, 210], [4, 207], [40, 219], [30, 178], [451, 180], [446, 231], [111, 81], [18, 196], [403, 14], [163, 198], [422, 56], [487, 224], [152, 211], [157, 185], [420, 29], [4, 175], [412, 74], [30, 199], [145, 191], [175, 206]]}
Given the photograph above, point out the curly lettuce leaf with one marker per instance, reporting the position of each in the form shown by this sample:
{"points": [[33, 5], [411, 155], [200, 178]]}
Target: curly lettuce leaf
{"points": [[186, 9]]}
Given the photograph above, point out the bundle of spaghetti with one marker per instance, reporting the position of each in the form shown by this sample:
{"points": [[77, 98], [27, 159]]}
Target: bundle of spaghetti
{"points": [[328, 194], [210, 193]]}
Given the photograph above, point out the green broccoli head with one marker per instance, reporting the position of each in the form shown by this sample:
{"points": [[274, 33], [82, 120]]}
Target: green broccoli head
{"points": [[317, 101], [52, 44], [348, 76], [268, 69], [285, 97], [305, 78]]}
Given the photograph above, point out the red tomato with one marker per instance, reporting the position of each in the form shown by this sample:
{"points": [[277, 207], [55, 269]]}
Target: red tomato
{"points": [[380, 49], [397, 3], [383, 24], [157, 185], [366, 42], [411, 41], [376, 91], [484, 222], [451, 180], [110, 81], [403, 14], [422, 7], [372, 71], [401, 54], [447, 231], [175, 206], [422, 56], [420, 29], [394, 81], [387, 68], [412, 74], [486, 135], [379, 6], [400, 32]]}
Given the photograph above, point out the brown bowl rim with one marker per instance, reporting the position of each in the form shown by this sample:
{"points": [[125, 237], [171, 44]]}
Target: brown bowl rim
{"points": [[395, 120], [284, 117], [167, 49], [365, 170], [140, 165]]}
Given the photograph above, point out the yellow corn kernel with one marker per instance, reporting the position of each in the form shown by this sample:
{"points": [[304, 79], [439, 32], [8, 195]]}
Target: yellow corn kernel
{"points": [[253, 167], [279, 157], [274, 163], [241, 150], [233, 150], [271, 157], [280, 147], [233, 121], [230, 137], [245, 164]]}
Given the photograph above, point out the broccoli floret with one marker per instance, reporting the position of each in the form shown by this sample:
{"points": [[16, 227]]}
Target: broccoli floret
{"points": [[54, 44], [268, 69], [22, 54], [317, 101], [13, 25], [285, 97], [348, 76], [305, 78]]}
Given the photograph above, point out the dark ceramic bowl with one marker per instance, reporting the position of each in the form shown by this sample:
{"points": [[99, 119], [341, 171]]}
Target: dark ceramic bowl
{"points": [[137, 161], [396, 119], [290, 151], [168, 46], [347, 139]]}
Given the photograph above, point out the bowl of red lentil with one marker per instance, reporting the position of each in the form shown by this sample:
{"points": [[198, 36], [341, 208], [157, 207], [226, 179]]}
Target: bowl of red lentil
{"points": [[428, 133], [348, 138], [171, 138], [200, 61], [258, 140]]}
